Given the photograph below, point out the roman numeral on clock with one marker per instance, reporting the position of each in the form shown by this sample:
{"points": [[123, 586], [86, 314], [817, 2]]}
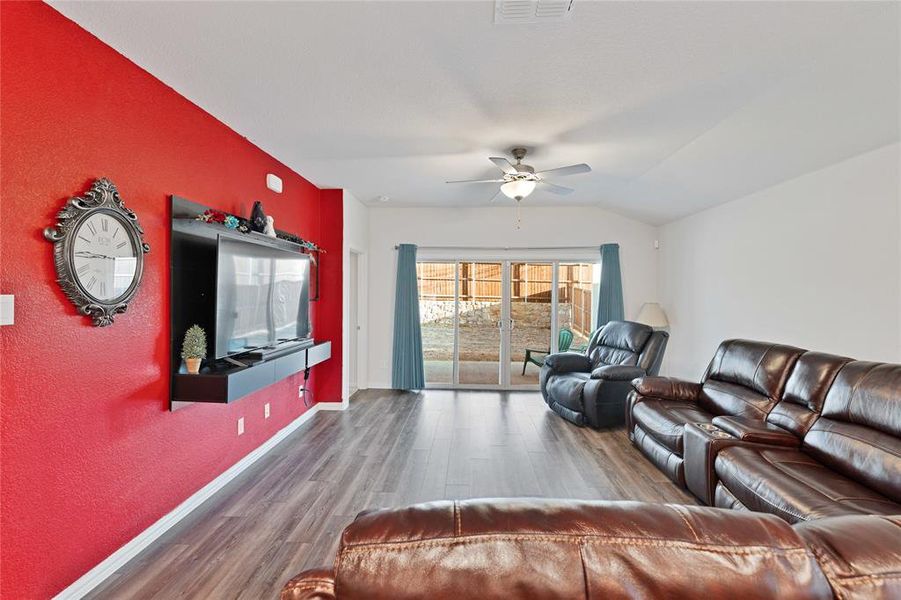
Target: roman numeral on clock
{"points": [[120, 244], [83, 269], [92, 228], [103, 288], [92, 282], [104, 225]]}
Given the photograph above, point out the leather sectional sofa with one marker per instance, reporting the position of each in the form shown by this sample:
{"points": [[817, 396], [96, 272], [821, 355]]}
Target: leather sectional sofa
{"points": [[811, 438], [590, 387], [537, 549], [777, 429]]}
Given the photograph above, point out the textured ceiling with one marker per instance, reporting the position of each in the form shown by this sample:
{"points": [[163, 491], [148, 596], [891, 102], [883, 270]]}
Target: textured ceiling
{"points": [[676, 106]]}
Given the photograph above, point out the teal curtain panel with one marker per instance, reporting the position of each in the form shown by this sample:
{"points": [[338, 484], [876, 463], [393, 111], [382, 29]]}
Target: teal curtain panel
{"points": [[407, 369], [610, 294]]}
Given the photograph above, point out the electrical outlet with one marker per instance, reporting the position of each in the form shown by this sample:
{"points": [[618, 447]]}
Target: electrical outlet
{"points": [[241, 426], [266, 410]]}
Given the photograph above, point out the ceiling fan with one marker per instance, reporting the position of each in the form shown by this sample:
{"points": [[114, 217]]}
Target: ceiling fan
{"points": [[520, 180]]}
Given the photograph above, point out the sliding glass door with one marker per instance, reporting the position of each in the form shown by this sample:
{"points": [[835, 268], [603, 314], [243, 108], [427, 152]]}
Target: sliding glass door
{"points": [[531, 296], [437, 316], [576, 305], [479, 313], [489, 324]]}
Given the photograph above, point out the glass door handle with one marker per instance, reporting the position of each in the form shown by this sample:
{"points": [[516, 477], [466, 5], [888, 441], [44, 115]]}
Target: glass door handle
{"points": [[512, 324]]}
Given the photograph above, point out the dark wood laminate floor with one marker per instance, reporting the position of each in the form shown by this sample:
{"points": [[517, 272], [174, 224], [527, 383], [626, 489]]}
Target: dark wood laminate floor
{"points": [[284, 514]]}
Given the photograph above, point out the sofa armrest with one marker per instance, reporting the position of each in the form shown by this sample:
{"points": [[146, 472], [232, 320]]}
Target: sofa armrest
{"points": [[568, 362], [756, 431], [702, 442], [617, 372], [667, 388], [853, 552], [317, 584]]}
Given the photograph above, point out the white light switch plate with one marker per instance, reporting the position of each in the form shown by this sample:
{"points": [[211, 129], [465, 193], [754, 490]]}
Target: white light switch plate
{"points": [[7, 309], [266, 410], [241, 426]]}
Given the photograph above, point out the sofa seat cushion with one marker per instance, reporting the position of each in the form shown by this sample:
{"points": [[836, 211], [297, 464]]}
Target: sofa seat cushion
{"points": [[566, 389], [665, 421], [794, 486]]}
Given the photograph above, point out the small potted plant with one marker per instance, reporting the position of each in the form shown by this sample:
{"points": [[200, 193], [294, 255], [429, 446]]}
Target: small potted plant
{"points": [[193, 349]]}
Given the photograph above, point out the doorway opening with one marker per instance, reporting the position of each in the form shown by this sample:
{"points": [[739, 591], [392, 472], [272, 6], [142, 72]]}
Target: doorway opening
{"points": [[353, 354]]}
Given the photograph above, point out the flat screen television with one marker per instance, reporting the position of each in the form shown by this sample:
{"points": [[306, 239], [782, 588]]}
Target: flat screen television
{"points": [[262, 296]]}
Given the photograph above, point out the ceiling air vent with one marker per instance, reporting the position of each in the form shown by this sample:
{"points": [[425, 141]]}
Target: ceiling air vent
{"points": [[531, 11]]}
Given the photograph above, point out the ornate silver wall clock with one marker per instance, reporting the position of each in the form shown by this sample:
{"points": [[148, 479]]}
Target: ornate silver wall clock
{"points": [[98, 248]]}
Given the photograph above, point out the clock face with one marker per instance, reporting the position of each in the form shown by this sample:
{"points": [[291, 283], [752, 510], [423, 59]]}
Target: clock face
{"points": [[104, 256]]}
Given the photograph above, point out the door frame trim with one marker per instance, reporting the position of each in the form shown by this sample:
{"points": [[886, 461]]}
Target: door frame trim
{"points": [[506, 305]]}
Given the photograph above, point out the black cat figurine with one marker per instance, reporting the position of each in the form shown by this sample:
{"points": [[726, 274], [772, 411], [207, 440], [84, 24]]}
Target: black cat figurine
{"points": [[258, 217]]}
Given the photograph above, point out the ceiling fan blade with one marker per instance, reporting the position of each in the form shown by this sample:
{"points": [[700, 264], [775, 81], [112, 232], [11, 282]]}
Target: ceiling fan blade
{"points": [[494, 197], [556, 189], [476, 181], [570, 170], [503, 164]]}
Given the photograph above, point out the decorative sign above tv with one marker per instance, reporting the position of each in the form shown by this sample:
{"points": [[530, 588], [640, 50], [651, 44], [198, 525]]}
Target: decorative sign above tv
{"points": [[98, 248]]}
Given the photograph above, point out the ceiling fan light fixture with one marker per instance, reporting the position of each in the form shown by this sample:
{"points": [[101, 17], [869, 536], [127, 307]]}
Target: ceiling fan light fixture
{"points": [[518, 188]]}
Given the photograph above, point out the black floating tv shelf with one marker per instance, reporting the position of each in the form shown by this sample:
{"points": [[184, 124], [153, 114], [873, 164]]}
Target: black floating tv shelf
{"points": [[212, 231], [220, 384], [192, 278]]}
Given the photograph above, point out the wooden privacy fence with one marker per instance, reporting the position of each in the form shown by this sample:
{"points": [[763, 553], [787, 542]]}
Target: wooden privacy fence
{"points": [[484, 281], [581, 303], [529, 283]]}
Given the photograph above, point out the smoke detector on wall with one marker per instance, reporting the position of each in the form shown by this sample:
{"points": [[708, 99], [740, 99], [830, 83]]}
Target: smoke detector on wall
{"points": [[531, 11]]}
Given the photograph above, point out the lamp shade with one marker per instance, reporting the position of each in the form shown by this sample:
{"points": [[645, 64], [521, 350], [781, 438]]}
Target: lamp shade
{"points": [[518, 188], [652, 314]]}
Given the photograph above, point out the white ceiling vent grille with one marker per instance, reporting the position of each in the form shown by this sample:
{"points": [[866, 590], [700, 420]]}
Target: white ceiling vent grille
{"points": [[531, 11]]}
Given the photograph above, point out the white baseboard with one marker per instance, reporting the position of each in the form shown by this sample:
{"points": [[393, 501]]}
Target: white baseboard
{"points": [[334, 405], [90, 580]]}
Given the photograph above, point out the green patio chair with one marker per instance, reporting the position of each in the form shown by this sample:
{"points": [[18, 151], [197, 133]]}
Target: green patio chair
{"points": [[564, 340]]}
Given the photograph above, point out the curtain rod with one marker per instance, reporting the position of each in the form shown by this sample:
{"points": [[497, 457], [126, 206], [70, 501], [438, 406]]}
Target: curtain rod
{"points": [[507, 248]]}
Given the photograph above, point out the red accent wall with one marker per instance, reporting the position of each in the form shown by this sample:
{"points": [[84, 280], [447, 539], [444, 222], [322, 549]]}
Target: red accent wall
{"points": [[90, 454]]}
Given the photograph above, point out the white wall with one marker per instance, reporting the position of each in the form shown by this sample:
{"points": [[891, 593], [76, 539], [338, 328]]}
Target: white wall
{"points": [[494, 226], [356, 238], [815, 262]]}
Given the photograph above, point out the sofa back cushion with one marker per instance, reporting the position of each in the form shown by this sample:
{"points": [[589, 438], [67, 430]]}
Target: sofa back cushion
{"points": [[528, 549], [651, 356], [746, 378], [859, 431], [618, 343], [805, 391]]}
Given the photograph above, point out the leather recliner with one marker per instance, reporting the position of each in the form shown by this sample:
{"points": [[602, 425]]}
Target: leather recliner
{"points": [[590, 388], [744, 379], [544, 549]]}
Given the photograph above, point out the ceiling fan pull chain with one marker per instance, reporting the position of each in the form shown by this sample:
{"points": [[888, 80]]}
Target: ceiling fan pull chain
{"points": [[518, 215]]}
